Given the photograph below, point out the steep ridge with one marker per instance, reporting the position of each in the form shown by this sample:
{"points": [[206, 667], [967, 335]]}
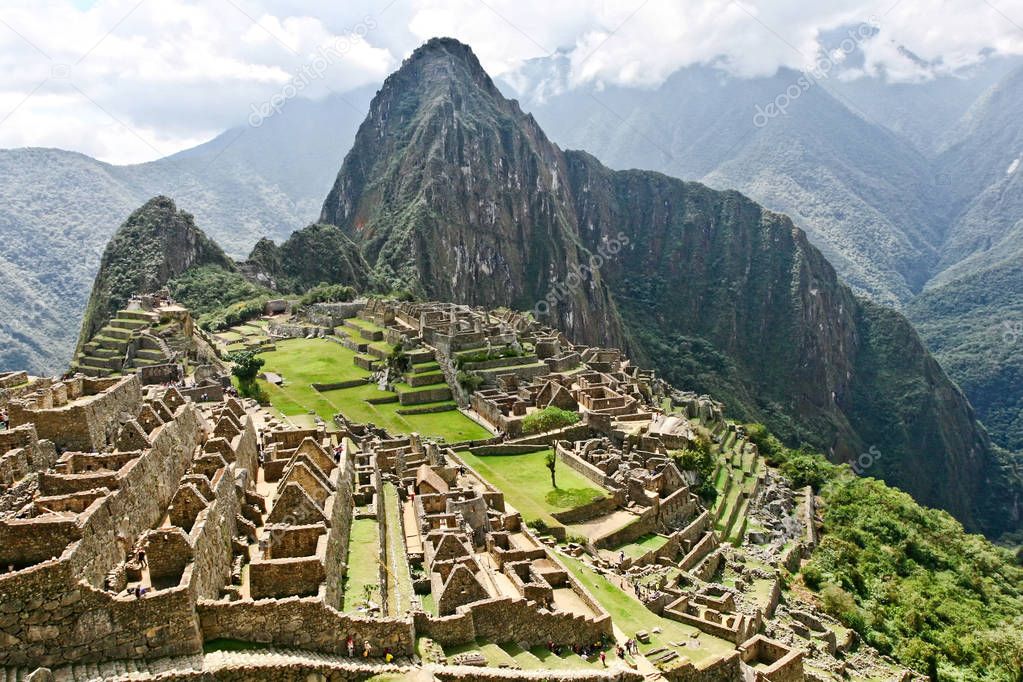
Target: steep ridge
{"points": [[454, 193], [310, 256], [862, 194], [451, 191], [156, 243]]}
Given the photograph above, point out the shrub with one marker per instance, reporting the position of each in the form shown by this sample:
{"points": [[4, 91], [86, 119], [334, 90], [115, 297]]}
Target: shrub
{"points": [[807, 469], [548, 419], [470, 381], [232, 315], [767, 444], [209, 288], [539, 525], [328, 293], [698, 459]]}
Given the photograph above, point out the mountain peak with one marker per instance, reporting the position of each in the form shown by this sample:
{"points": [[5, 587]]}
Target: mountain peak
{"points": [[438, 62]]}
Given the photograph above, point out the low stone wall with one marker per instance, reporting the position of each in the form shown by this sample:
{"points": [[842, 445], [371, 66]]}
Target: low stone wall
{"points": [[160, 374], [580, 431], [600, 507], [416, 380], [724, 669], [302, 622], [211, 393], [351, 383], [430, 395], [458, 673], [581, 466], [510, 620], [433, 409], [505, 449], [644, 523]]}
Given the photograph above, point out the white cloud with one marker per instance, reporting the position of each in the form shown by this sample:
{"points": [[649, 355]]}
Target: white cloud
{"points": [[129, 81]]}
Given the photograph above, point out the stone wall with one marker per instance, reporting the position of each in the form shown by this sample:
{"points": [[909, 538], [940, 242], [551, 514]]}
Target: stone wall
{"points": [[160, 374], [600, 507], [302, 622], [211, 537], [431, 395], [724, 669], [86, 423], [87, 624], [510, 620], [284, 577], [581, 466], [56, 611]]}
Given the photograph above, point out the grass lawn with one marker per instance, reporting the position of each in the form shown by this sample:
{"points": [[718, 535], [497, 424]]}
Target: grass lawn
{"points": [[429, 603], [630, 615], [363, 563], [399, 581], [303, 362], [526, 483], [641, 546]]}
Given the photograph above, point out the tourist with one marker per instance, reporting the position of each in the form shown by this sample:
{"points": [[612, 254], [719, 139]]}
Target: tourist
{"points": [[141, 558], [621, 557], [366, 648], [603, 659], [350, 643], [388, 656]]}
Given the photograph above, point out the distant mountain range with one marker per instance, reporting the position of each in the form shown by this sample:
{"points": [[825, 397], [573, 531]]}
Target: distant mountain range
{"points": [[451, 191], [910, 191]]}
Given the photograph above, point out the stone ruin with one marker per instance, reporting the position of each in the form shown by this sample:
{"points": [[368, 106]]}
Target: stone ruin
{"points": [[141, 522]]}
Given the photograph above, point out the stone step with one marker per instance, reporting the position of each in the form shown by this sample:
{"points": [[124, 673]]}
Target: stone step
{"points": [[93, 370], [110, 362], [140, 315], [154, 354], [129, 324], [115, 333], [110, 342]]}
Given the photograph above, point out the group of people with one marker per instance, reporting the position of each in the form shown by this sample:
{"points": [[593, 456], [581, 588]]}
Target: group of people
{"points": [[367, 649], [598, 649], [630, 647], [4, 420], [587, 651]]}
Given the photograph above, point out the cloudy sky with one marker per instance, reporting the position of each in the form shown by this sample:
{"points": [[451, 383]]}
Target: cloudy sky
{"points": [[133, 80]]}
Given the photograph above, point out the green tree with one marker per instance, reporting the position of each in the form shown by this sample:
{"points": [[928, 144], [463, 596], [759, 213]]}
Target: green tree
{"points": [[698, 459], [246, 367]]}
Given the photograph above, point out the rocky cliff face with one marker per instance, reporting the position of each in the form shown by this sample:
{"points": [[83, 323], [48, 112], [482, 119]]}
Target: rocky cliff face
{"points": [[452, 191], [456, 194], [155, 244]]}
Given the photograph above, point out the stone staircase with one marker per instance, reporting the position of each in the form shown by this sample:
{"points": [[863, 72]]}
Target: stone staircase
{"points": [[104, 354], [273, 663], [133, 669]]}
